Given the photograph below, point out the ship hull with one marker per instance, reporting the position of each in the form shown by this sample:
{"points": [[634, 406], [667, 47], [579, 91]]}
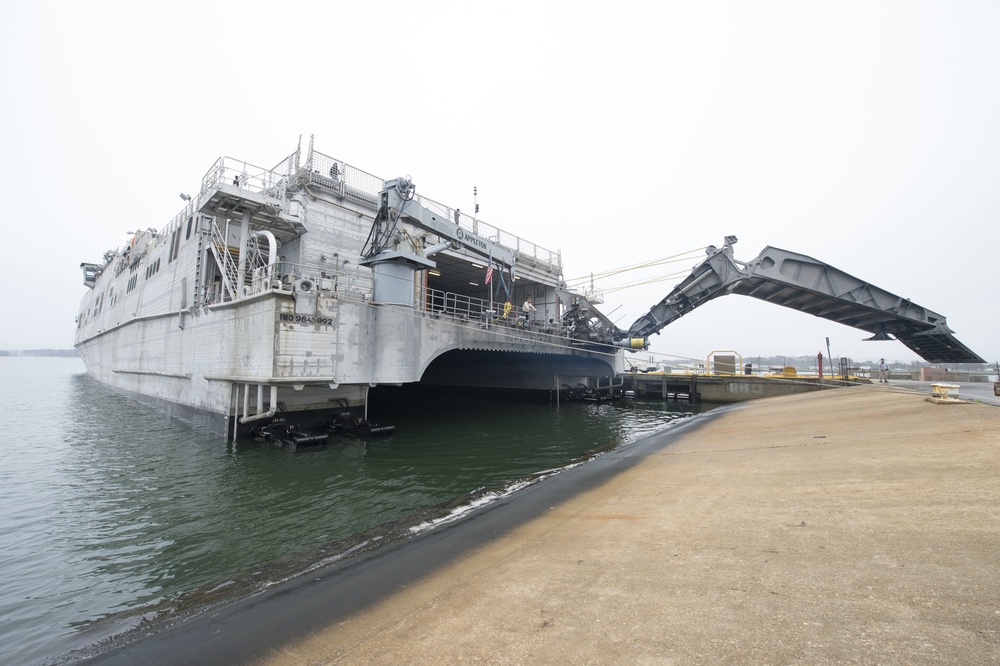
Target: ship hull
{"points": [[256, 303]]}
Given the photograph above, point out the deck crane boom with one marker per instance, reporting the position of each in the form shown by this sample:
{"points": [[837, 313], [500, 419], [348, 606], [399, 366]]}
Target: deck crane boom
{"points": [[393, 265], [397, 203]]}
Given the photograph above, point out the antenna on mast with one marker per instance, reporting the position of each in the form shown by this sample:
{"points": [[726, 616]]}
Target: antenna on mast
{"points": [[475, 209]]}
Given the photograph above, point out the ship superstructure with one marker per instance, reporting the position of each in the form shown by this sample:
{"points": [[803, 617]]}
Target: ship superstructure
{"points": [[295, 289]]}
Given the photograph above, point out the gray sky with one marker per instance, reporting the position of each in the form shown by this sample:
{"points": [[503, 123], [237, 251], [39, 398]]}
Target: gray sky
{"points": [[864, 134]]}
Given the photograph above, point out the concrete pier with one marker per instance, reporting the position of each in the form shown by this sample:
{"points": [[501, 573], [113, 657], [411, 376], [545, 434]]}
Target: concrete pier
{"points": [[722, 389], [857, 525]]}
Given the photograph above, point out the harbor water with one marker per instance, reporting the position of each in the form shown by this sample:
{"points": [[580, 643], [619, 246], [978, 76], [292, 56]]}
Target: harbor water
{"points": [[112, 512]]}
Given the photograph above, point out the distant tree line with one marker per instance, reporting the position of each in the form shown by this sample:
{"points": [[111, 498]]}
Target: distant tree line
{"points": [[41, 352], [810, 361]]}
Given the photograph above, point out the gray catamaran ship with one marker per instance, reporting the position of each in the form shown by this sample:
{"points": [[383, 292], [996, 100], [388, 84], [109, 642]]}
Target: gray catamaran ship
{"points": [[288, 293]]}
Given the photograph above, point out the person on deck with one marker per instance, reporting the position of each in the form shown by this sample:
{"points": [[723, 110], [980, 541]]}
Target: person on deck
{"points": [[883, 371], [527, 308]]}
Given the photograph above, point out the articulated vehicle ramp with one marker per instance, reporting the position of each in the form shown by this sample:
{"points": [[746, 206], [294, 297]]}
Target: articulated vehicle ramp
{"points": [[806, 284]]}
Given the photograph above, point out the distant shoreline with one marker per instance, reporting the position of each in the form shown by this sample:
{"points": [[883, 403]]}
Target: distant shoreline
{"points": [[65, 353]]}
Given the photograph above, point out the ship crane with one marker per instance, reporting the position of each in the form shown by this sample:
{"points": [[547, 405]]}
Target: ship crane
{"points": [[802, 283], [393, 265]]}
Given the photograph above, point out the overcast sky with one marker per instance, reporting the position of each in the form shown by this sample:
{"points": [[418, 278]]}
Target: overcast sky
{"points": [[864, 134]]}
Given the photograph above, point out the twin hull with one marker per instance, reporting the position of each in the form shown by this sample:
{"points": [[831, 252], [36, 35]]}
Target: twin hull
{"points": [[208, 367]]}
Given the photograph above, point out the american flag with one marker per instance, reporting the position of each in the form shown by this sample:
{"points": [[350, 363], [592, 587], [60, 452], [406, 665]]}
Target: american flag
{"points": [[489, 273]]}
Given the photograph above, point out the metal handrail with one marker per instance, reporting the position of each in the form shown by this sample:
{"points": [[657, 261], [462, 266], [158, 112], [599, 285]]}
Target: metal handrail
{"points": [[246, 176], [350, 182], [475, 309], [225, 261], [284, 274], [347, 180], [523, 248]]}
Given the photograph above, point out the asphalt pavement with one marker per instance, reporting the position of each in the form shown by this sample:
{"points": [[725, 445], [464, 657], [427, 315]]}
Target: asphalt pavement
{"points": [[978, 391]]}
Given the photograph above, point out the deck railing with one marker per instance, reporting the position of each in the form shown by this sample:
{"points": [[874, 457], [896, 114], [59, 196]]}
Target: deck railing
{"points": [[468, 308], [340, 177], [351, 183], [284, 274], [246, 176]]}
